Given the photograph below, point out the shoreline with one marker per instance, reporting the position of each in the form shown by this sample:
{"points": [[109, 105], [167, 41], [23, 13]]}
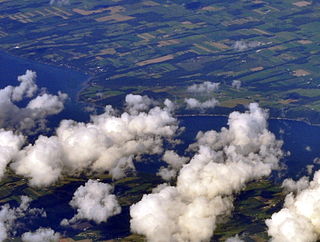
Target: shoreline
{"points": [[270, 118], [90, 76]]}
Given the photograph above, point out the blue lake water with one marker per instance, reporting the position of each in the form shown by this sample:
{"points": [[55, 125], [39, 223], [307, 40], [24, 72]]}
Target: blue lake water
{"points": [[52, 78], [300, 139]]}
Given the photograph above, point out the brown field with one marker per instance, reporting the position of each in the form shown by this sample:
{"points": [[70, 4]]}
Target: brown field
{"points": [[300, 72], [288, 101], [301, 3], [261, 31], [87, 12], [239, 21], [277, 47], [259, 68], [109, 51], [146, 36], [304, 42], [234, 102], [115, 17], [155, 60]]}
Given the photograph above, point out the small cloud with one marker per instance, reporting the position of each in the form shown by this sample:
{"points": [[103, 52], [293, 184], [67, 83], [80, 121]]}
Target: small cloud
{"points": [[204, 87], [94, 201], [193, 103], [242, 45], [236, 84], [308, 148]]}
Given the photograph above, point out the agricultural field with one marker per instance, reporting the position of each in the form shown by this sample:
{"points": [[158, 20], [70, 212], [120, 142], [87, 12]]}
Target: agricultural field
{"points": [[158, 48]]}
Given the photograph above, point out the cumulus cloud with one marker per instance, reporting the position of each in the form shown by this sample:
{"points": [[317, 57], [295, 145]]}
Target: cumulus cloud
{"points": [[35, 112], [242, 45], [94, 201], [174, 161], [41, 235], [137, 103], [10, 144], [108, 143], [298, 220], [205, 90], [204, 87], [236, 84], [193, 103], [290, 185], [8, 216], [224, 162]]}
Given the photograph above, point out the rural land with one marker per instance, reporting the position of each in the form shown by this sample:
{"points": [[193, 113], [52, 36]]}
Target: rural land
{"points": [[159, 48]]}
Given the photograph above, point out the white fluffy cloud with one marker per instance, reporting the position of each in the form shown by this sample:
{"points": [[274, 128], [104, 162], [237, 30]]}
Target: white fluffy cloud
{"points": [[193, 103], [205, 91], [299, 219], [225, 161], [236, 84], [41, 235], [10, 144], [242, 45], [137, 103], [106, 144], [94, 201], [174, 161], [204, 87], [35, 112]]}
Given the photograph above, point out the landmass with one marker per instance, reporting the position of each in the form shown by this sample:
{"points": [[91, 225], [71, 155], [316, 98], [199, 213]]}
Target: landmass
{"points": [[158, 48]]}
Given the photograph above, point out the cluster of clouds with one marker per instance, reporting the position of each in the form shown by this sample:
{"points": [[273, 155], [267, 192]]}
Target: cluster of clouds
{"points": [[203, 90], [9, 217], [298, 220], [93, 201], [108, 143], [34, 113], [241, 45], [223, 163]]}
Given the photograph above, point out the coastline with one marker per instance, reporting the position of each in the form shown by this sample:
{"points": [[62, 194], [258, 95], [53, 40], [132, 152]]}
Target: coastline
{"points": [[90, 76], [270, 118]]}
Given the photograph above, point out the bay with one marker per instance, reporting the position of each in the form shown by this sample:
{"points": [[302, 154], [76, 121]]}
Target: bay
{"points": [[52, 78]]}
